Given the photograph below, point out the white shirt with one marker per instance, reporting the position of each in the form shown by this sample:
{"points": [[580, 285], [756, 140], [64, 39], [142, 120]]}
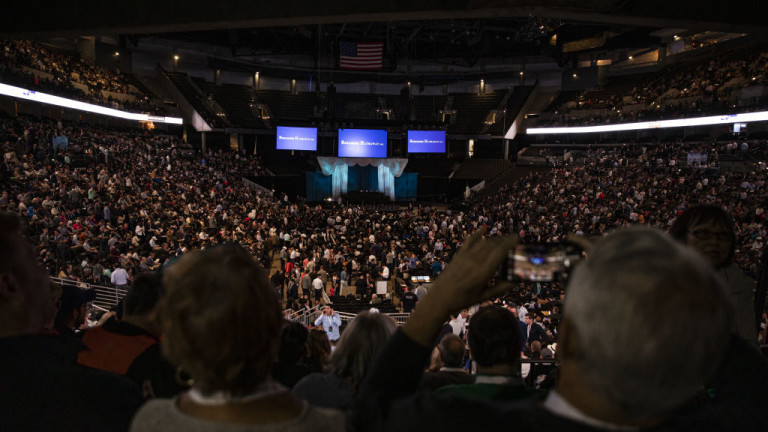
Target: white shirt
{"points": [[317, 283], [119, 277], [521, 313], [457, 325]]}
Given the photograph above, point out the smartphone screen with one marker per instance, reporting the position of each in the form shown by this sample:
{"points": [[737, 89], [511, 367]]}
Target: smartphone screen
{"points": [[537, 262]]}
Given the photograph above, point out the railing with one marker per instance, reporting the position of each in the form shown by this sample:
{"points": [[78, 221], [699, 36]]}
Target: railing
{"points": [[253, 185], [304, 316], [106, 297], [400, 318]]}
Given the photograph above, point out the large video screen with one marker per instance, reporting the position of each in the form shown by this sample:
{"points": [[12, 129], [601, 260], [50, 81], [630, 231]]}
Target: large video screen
{"points": [[361, 143], [296, 138], [421, 141]]}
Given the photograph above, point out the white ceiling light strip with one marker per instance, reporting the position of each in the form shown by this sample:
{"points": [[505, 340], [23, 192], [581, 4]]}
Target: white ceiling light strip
{"points": [[661, 124], [21, 93]]}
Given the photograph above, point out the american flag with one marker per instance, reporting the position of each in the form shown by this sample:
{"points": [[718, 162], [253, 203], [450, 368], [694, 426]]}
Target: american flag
{"points": [[361, 55]]}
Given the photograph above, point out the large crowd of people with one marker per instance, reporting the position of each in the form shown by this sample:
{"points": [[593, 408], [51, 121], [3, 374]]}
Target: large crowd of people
{"points": [[687, 90], [71, 76], [141, 200], [658, 335]]}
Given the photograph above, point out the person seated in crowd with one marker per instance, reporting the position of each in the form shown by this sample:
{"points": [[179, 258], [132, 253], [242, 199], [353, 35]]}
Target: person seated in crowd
{"points": [[131, 346], [318, 349], [43, 388], [375, 299], [709, 229], [73, 312], [221, 325], [362, 340], [493, 337], [621, 369], [451, 359], [290, 367]]}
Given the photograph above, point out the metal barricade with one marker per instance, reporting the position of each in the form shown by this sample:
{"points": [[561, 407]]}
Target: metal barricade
{"points": [[305, 317], [106, 297], [346, 317]]}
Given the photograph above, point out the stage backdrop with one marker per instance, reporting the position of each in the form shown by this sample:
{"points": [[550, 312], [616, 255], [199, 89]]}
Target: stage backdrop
{"points": [[318, 186], [339, 171], [406, 186]]}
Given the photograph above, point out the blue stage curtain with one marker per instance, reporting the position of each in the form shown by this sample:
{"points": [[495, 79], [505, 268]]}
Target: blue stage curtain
{"points": [[319, 186], [353, 179], [406, 186]]}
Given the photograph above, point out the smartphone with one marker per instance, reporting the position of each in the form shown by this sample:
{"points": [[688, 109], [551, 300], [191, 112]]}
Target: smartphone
{"points": [[540, 262]]}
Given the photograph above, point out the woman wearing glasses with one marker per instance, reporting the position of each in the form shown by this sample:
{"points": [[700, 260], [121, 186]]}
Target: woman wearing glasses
{"points": [[710, 230]]}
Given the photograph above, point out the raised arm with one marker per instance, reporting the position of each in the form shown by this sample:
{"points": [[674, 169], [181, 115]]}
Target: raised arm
{"points": [[463, 283], [398, 369]]}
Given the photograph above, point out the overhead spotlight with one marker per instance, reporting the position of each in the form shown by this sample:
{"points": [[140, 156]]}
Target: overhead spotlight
{"points": [[676, 37], [522, 73], [175, 56], [575, 76], [630, 57], [117, 53]]}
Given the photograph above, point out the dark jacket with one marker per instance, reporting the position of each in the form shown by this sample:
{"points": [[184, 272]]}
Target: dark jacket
{"points": [[43, 389], [389, 400], [126, 349]]}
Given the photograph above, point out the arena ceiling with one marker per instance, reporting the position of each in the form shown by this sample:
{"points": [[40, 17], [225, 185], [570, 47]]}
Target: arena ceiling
{"points": [[452, 32], [47, 18]]}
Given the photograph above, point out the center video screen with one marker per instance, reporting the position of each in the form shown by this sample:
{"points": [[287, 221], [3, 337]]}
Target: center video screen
{"points": [[421, 141], [362, 143], [296, 138]]}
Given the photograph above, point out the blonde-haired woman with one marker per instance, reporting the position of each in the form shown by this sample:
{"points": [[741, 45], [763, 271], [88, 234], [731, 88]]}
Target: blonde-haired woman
{"points": [[221, 326]]}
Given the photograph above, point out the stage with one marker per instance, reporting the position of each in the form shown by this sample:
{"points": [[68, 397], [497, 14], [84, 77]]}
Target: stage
{"points": [[358, 178]]}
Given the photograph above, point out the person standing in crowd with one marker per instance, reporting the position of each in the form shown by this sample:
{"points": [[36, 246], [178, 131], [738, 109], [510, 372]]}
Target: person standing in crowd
{"points": [[228, 366], [362, 341], [709, 230], [631, 277], [293, 288], [290, 367], [120, 277], [409, 300], [73, 310], [306, 283], [492, 337], [131, 346], [459, 322], [451, 352], [278, 282], [331, 322], [343, 281], [43, 388], [317, 286], [533, 331], [361, 286], [333, 290]]}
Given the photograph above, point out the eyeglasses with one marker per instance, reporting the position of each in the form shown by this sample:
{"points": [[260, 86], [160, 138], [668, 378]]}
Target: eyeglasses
{"points": [[703, 234]]}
